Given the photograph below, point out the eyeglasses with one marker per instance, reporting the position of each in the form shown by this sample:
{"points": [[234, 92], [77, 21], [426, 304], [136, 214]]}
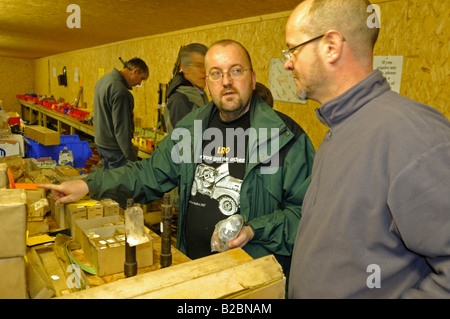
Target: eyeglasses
{"points": [[234, 74], [288, 53]]}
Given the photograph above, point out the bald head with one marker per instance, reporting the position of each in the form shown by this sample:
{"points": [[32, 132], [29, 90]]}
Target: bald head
{"points": [[349, 17]]}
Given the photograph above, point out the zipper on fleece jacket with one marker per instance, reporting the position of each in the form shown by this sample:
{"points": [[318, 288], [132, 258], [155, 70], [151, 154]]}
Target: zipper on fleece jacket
{"points": [[324, 121]]}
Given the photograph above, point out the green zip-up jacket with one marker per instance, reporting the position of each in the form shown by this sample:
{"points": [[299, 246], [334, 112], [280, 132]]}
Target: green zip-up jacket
{"points": [[273, 187]]}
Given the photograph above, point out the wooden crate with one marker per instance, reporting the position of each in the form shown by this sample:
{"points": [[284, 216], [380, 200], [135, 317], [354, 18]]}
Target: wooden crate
{"points": [[231, 274]]}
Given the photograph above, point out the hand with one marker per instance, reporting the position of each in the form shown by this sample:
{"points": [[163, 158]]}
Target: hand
{"points": [[67, 192], [245, 235]]}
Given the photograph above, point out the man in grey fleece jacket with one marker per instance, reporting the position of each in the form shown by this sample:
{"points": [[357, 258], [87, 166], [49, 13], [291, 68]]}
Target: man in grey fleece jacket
{"points": [[376, 217], [113, 113]]}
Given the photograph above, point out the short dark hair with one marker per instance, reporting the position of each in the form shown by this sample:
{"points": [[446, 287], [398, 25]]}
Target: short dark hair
{"points": [[185, 58], [136, 63]]}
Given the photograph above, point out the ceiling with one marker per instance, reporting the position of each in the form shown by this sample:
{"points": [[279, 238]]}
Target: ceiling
{"points": [[37, 28]]}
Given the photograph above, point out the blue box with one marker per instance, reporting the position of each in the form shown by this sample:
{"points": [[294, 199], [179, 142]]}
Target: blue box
{"points": [[80, 149]]}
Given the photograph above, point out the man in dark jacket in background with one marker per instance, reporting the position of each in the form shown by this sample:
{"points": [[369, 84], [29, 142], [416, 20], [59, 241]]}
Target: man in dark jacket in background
{"points": [[186, 91], [113, 113]]}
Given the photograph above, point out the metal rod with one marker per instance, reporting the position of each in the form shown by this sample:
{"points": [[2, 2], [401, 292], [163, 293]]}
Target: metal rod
{"points": [[166, 224]]}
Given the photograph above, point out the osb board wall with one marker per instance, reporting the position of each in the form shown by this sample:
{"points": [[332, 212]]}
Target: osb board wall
{"points": [[412, 28], [16, 76]]}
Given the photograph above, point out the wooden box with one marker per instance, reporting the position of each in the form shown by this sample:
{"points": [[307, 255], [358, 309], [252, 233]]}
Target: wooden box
{"points": [[232, 274]]}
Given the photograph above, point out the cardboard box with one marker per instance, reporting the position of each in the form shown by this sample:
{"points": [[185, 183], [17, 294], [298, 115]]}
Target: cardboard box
{"points": [[73, 212], [19, 139], [13, 283], [110, 207], [38, 282], [13, 223], [57, 212], [95, 211], [109, 260], [9, 148], [42, 135], [66, 171], [4, 181]]}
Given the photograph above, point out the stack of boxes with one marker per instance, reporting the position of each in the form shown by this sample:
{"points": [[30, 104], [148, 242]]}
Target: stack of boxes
{"points": [[13, 226], [66, 215]]}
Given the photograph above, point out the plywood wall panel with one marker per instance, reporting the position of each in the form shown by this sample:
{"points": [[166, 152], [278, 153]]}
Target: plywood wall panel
{"points": [[411, 28], [16, 76]]}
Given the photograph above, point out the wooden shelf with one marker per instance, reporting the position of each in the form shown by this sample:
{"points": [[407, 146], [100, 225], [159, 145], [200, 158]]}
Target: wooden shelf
{"points": [[42, 114]]}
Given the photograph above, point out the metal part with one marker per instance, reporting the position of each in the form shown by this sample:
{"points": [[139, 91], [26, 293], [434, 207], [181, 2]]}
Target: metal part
{"points": [[130, 265], [166, 224]]}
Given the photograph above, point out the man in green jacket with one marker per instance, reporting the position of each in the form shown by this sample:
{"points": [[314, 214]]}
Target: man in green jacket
{"points": [[235, 155]]}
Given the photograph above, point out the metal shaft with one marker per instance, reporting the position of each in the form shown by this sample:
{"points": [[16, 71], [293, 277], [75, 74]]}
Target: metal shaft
{"points": [[166, 221], [130, 265]]}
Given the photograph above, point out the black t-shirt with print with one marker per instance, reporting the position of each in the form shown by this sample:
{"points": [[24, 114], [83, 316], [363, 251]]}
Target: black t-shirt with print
{"points": [[217, 181]]}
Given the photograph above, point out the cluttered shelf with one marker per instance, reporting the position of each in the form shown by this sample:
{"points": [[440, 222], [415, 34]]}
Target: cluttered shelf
{"points": [[77, 120]]}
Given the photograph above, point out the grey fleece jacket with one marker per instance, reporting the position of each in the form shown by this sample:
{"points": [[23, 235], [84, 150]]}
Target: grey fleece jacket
{"points": [[113, 114], [376, 217]]}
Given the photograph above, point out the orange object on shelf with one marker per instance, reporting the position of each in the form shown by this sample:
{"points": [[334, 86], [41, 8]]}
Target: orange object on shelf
{"points": [[12, 184]]}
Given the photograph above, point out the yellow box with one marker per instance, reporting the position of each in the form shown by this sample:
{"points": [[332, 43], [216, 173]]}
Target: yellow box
{"points": [[109, 260], [42, 135]]}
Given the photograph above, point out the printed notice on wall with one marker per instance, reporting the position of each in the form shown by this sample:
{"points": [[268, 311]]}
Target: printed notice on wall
{"points": [[281, 83], [391, 67]]}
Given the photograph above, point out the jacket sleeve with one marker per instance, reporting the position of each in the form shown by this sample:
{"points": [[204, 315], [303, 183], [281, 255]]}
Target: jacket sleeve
{"points": [[419, 202], [179, 106], [145, 180], [122, 115], [277, 229]]}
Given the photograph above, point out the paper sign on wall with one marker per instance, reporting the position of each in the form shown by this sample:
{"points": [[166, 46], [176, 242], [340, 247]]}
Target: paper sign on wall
{"points": [[391, 67], [281, 83]]}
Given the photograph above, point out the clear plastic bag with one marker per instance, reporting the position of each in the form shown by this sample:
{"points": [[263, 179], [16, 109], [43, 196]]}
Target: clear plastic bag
{"points": [[225, 231], [134, 226]]}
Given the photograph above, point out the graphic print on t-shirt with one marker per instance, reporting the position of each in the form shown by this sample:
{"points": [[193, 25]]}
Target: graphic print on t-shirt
{"points": [[218, 177], [218, 184]]}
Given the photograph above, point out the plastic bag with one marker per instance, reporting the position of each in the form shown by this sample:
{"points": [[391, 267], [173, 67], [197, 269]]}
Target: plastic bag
{"points": [[134, 226], [225, 231]]}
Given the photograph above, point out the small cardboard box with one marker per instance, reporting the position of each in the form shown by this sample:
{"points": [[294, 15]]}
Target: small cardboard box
{"points": [[110, 207], [42, 135], [73, 212], [109, 260], [57, 212], [19, 139], [13, 284], [9, 148], [13, 225], [94, 211], [66, 171]]}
